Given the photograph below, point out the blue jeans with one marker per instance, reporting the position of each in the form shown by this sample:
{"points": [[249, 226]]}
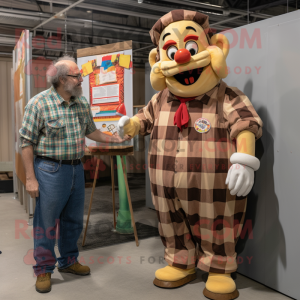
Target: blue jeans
{"points": [[58, 212]]}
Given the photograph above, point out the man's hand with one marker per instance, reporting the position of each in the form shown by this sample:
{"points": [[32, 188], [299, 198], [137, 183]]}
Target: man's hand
{"points": [[118, 139], [101, 137], [32, 187]]}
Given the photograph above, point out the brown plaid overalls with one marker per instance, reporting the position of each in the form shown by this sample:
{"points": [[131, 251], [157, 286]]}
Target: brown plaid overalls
{"points": [[199, 221]]}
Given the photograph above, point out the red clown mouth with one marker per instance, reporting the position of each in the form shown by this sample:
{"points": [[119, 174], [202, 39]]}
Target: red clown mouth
{"points": [[188, 77]]}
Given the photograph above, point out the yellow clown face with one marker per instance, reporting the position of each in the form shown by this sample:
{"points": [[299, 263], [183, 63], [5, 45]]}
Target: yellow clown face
{"points": [[189, 66]]}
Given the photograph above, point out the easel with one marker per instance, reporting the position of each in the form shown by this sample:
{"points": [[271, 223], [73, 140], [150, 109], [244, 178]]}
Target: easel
{"points": [[111, 151]]}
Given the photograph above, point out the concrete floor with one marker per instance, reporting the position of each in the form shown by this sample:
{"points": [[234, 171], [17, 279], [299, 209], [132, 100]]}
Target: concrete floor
{"points": [[117, 272]]}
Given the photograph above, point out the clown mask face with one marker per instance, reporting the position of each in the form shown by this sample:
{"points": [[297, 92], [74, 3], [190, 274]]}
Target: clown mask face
{"points": [[189, 66]]}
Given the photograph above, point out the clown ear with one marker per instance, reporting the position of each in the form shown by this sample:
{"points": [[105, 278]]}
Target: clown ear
{"points": [[152, 57], [221, 41]]}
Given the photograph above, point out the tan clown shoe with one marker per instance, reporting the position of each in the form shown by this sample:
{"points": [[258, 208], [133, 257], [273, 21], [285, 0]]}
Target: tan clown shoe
{"points": [[220, 287], [171, 277]]}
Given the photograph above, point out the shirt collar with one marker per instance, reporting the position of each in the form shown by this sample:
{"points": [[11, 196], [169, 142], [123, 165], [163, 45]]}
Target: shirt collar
{"points": [[74, 100], [204, 98], [60, 99]]}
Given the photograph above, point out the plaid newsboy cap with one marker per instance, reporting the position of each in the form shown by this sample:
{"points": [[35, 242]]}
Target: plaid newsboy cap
{"points": [[179, 15]]}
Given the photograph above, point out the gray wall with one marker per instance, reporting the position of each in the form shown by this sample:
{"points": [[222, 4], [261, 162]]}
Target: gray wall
{"points": [[273, 209], [274, 202]]}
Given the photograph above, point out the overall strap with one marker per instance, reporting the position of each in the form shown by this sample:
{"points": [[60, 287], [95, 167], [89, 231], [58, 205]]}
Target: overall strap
{"points": [[160, 98], [220, 98]]}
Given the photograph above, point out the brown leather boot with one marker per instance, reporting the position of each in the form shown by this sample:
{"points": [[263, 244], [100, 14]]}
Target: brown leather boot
{"points": [[76, 269], [43, 283]]}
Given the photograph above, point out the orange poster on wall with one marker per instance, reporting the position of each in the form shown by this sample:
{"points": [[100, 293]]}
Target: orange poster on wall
{"points": [[107, 85]]}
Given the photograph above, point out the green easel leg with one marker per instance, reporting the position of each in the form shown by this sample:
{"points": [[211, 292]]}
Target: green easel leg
{"points": [[124, 218]]}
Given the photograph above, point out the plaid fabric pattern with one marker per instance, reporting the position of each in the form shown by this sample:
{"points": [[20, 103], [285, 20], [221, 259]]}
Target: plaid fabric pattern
{"points": [[178, 15], [199, 221], [55, 128]]}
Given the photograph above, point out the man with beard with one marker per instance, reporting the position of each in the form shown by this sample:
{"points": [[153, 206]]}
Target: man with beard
{"points": [[54, 127]]}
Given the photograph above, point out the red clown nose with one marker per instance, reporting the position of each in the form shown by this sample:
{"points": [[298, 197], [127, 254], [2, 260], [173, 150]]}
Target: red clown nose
{"points": [[182, 56]]}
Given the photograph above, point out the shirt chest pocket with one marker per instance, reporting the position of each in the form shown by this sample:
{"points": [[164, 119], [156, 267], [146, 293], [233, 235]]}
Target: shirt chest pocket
{"points": [[83, 124], [56, 128]]}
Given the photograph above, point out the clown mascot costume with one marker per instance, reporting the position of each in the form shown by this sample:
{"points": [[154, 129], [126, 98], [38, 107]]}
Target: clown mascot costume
{"points": [[202, 152]]}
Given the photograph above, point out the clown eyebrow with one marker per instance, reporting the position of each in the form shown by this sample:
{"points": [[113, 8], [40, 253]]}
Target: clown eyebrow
{"points": [[190, 27], [191, 37], [169, 43], [166, 35]]}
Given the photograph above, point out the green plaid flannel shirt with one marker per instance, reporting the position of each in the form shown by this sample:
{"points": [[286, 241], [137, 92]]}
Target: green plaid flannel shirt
{"points": [[55, 128]]}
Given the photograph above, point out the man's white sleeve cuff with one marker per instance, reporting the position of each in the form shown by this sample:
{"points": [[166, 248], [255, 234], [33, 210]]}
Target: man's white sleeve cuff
{"points": [[245, 159]]}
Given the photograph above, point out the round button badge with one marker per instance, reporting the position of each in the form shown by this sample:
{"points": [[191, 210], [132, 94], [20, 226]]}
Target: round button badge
{"points": [[202, 125]]}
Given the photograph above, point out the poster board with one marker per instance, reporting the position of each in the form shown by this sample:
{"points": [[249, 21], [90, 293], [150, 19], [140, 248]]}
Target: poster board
{"points": [[107, 84], [21, 91]]}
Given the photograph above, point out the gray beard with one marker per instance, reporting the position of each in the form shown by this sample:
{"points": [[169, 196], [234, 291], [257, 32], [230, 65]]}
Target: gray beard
{"points": [[75, 91]]}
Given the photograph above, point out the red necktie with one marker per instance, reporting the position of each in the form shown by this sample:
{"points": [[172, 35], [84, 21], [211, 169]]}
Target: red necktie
{"points": [[181, 118]]}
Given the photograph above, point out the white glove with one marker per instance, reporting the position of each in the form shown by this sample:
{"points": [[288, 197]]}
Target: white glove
{"points": [[120, 128], [240, 177]]}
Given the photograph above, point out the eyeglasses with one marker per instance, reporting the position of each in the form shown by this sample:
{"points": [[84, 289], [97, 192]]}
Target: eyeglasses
{"points": [[76, 76]]}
